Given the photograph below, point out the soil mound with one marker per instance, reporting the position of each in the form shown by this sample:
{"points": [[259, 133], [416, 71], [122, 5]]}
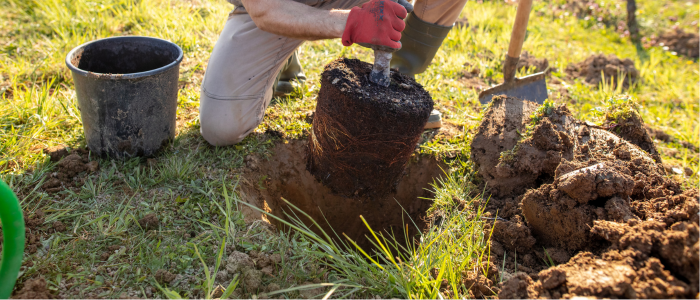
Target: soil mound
{"points": [[681, 42], [629, 126], [530, 62], [564, 188], [70, 164], [363, 134], [610, 66], [284, 175]]}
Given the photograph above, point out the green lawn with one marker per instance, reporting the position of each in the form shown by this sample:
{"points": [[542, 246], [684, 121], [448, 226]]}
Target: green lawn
{"points": [[104, 253]]}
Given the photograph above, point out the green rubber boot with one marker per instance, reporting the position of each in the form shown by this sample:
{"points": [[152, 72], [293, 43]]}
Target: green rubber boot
{"points": [[291, 70], [419, 43]]}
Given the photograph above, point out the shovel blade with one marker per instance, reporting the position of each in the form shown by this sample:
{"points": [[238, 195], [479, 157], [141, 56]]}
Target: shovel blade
{"points": [[532, 88]]}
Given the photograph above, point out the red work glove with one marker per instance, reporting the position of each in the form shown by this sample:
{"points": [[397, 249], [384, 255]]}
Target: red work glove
{"points": [[378, 22]]}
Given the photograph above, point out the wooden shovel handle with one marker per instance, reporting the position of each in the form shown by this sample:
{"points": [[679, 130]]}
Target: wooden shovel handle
{"points": [[517, 38]]}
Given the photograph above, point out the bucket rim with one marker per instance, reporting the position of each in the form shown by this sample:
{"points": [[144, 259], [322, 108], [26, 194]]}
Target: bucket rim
{"points": [[162, 69]]}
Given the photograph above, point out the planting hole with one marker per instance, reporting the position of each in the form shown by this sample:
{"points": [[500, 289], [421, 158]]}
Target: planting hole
{"points": [[284, 175]]}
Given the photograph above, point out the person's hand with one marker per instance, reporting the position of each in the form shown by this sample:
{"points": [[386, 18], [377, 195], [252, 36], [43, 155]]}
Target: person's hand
{"points": [[378, 22]]}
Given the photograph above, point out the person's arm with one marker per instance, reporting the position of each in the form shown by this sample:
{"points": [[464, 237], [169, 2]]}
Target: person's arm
{"points": [[293, 19]]}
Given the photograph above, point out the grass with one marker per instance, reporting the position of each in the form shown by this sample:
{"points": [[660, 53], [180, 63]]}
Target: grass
{"points": [[192, 187]]}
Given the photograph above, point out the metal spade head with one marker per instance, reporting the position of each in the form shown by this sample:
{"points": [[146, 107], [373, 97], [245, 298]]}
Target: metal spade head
{"points": [[532, 88]]}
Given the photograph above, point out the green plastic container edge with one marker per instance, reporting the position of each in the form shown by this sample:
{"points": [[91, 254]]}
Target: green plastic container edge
{"points": [[13, 240]]}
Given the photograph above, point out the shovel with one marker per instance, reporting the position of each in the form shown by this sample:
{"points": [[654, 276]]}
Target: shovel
{"points": [[382, 55], [532, 87]]}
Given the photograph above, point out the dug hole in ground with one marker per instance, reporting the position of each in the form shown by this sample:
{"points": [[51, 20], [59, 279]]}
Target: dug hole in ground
{"points": [[358, 160]]}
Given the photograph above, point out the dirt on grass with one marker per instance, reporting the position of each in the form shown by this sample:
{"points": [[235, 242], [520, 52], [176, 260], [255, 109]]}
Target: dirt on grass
{"points": [[679, 41], [610, 66], [530, 62], [284, 176], [70, 165], [580, 211]]}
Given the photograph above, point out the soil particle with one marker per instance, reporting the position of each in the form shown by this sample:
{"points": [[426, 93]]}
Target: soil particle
{"points": [[164, 276], [513, 235], [34, 289], [478, 285], [364, 134], [610, 66], [558, 255], [68, 169], [149, 222], [520, 286], [682, 42], [32, 232], [238, 261], [56, 153], [252, 279], [58, 226]]}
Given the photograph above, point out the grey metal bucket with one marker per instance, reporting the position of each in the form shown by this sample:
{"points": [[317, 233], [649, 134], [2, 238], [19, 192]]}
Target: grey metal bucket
{"points": [[127, 93]]}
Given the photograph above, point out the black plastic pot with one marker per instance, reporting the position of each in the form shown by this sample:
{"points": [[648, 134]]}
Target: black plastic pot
{"points": [[127, 93]]}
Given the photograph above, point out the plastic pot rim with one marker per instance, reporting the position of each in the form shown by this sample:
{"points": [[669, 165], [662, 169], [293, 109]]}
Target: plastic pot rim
{"points": [[162, 69]]}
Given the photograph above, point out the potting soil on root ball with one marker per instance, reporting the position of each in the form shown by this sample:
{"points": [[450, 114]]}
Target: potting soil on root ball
{"points": [[363, 134]]}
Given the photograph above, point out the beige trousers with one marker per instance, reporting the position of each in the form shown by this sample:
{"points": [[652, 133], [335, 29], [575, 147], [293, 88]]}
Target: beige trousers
{"points": [[237, 85]]}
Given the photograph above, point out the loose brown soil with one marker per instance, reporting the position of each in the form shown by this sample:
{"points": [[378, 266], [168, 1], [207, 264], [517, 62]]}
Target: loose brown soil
{"points": [[34, 289], [610, 66], [530, 62], [631, 128], [363, 133], [566, 189], [679, 41], [284, 175], [70, 165]]}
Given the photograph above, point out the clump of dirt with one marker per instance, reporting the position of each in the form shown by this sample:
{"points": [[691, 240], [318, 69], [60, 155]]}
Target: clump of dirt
{"points": [[149, 222], [609, 66], [363, 134], [32, 230], [679, 41], [624, 120], [34, 289], [164, 276], [284, 176], [530, 62], [565, 188], [69, 167]]}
